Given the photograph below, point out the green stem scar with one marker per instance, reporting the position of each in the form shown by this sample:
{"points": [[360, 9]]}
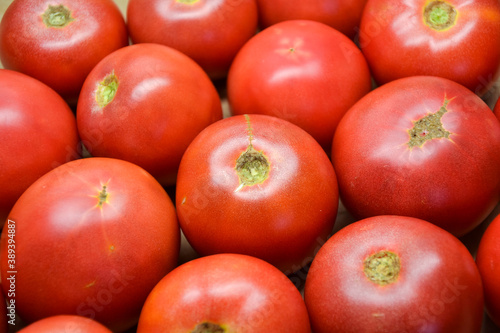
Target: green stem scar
{"points": [[428, 128], [440, 15], [382, 268], [102, 197], [106, 90], [188, 2], [207, 327], [252, 166], [57, 16]]}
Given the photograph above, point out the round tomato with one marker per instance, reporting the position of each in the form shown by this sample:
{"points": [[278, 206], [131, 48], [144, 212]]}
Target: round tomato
{"points": [[343, 15], [145, 103], [90, 238], [453, 39], [488, 262], [225, 293], [425, 147], [394, 274], [209, 31], [302, 71], [59, 43], [65, 324], [257, 185], [38, 132]]}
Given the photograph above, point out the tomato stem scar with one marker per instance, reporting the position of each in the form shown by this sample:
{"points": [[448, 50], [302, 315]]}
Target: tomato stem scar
{"points": [[428, 128], [440, 15], [106, 90], [207, 327], [102, 197], [382, 267], [57, 16]]}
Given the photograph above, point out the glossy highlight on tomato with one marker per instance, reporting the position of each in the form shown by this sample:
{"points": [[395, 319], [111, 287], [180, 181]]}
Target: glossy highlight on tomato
{"points": [[454, 39], [225, 293], [425, 147], [394, 274], [257, 185], [59, 43]]}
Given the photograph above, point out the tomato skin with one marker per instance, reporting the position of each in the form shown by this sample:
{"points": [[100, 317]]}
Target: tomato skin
{"points": [[281, 220], [65, 324], [397, 42], [302, 71], [488, 262], [496, 110], [229, 290], [438, 288], [75, 257], [209, 31], [343, 15], [38, 132], [163, 100], [60, 57], [453, 182]]}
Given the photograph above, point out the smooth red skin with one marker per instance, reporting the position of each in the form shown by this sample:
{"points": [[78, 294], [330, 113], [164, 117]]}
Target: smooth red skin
{"points": [[343, 15], [454, 183], [240, 292], [496, 110], [209, 31], [61, 58], [488, 263], [163, 100], [38, 132], [312, 86], [397, 43], [65, 324], [281, 220], [63, 257], [438, 289]]}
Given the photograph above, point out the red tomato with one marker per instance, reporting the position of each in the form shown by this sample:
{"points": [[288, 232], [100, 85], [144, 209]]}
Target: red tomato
{"points": [[225, 293], [301, 71], [38, 132], [65, 324], [257, 185], [91, 238], [209, 31], [343, 15], [496, 110], [488, 262], [59, 43], [454, 39], [394, 274], [424, 147], [144, 104]]}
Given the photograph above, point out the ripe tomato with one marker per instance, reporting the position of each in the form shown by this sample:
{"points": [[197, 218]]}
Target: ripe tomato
{"points": [[394, 274], [90, 238], [38, 132], [145, 103], [302, 71], [65, 324], [421, 146], [488, 262], [225, 293], [496, 110], [209, 31], [257, 185], [59, 43], [454, 39], [343, 15]]}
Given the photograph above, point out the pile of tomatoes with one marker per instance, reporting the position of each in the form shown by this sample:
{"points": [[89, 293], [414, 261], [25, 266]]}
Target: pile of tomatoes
{"points": [[250, 166]]}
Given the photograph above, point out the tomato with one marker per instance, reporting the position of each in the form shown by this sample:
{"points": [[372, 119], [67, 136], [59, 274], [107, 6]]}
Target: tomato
{"points": [[496, 110], [90, 238], [257, 185], [65, 324], [38, 132], [59, 43], [145, 103], [225, 293], [488, 262], [394, 274], [302, 71], [425, 147], [209, 31], [453, 39], [343, 15]]}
